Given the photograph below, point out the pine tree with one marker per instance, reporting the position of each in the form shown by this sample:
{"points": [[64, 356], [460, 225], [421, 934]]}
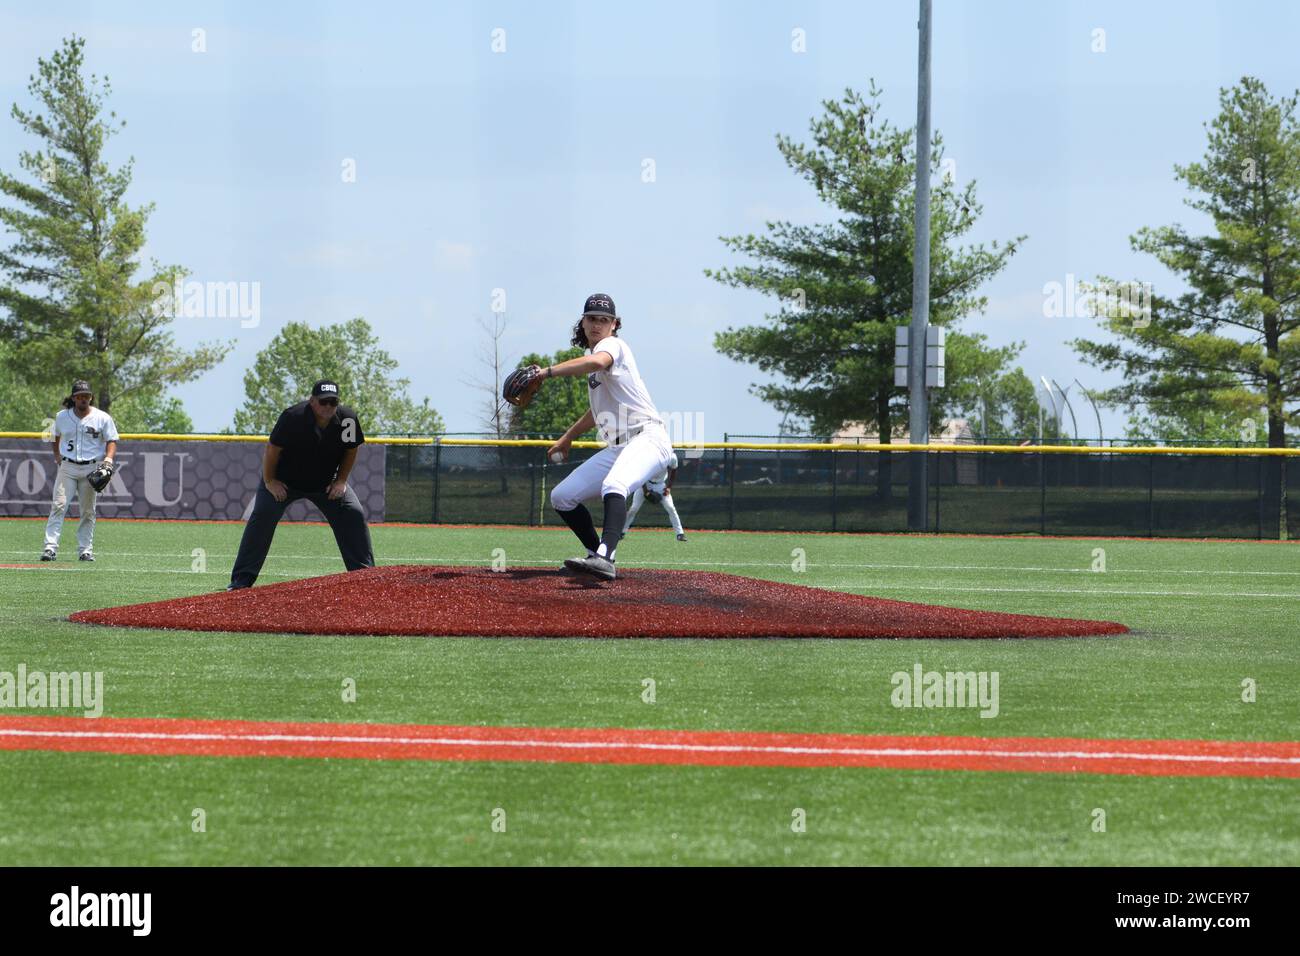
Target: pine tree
{"points": [[1229, 346], [845, 286], [72, 307]]}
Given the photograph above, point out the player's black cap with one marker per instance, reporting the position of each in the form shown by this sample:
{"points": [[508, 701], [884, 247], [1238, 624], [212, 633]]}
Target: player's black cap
{"points": [[80, 386], [599, 304], [325, 389]]}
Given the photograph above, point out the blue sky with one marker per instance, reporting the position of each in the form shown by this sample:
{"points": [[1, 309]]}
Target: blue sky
{"points": [[522, 170]]}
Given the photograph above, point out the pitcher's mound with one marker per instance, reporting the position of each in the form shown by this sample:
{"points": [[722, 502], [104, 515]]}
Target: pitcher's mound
{"points": [[537, 602]]}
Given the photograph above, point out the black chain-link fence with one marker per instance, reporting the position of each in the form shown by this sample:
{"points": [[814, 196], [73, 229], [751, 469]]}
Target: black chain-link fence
{"points": [[1155, 495]]}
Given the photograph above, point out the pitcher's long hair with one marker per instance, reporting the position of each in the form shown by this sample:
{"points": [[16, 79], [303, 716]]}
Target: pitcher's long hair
{"points": [[580, 337]]}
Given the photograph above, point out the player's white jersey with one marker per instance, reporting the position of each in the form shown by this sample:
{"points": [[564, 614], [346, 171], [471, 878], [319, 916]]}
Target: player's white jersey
{"points": [[84, 439], [660, 481], [620, 402]]}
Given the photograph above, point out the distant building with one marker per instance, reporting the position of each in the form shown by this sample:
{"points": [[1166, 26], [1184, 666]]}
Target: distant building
{"points": [[954, 431]]}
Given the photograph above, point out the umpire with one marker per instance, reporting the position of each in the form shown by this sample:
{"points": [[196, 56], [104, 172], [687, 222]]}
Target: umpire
{"points": [[310, 454]]}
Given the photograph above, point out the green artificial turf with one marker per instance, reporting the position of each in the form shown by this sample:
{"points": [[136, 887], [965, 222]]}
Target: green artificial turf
{"points": [[1205, 616]]}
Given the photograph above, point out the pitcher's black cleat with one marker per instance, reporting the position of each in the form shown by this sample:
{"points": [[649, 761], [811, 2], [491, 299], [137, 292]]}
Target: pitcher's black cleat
{"points": [[592, 564]]}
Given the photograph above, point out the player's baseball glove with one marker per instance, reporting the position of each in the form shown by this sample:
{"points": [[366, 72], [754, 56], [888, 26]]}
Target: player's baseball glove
{"points": [[521, 385], [101, 476], [652, 494]]}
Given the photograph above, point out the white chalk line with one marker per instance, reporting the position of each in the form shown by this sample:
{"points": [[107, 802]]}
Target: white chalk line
{"points": [[641, 745], [835, 585], [479, 559], [1218, 595], [1215, 595]]}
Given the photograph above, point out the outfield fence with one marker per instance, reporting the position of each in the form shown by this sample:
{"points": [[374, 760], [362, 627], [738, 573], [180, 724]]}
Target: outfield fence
{"points": [[978, 489]]}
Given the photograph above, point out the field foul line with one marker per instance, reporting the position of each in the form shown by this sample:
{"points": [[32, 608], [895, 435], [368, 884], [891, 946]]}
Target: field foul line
{"points": [[217, 738], [477, 560], [101, 570], [944, 587], [680, 748], [835, 585]]}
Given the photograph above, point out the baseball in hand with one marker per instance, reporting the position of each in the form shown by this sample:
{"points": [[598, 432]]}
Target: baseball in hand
{"points": [[557, 457]]}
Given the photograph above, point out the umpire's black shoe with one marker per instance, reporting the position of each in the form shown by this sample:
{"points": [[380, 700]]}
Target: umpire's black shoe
{"points": [[592, 564]]}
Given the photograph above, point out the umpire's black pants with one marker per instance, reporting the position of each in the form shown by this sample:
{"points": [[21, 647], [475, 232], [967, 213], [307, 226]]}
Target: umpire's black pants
{"points": [[347, 521]]}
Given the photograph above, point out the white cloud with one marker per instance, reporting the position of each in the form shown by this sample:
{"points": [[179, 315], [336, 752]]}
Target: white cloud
{"points": [[333, 255], [452, 256], [1016, 309]]}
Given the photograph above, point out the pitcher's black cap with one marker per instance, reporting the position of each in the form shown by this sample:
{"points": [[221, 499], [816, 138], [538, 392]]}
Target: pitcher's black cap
{"points": [[80, 386], [599, 304]]}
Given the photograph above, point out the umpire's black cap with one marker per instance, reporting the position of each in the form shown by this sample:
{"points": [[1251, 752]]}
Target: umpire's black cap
{"points": [[599, 304], [326, 388]]}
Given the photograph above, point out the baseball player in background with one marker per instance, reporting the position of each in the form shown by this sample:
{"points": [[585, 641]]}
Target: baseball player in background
{"points": [[637, 449], [658, 489], [84, 437]]}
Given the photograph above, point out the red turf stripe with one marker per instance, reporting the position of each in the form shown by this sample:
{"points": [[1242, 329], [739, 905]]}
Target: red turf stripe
{"points": [[235, 738]]}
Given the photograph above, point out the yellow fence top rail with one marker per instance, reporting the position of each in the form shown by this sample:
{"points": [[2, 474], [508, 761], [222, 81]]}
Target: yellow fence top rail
{"points": [[757, 446]]}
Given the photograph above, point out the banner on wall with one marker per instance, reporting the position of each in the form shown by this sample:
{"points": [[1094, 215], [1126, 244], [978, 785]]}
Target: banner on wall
{"points": [[172, 479]]}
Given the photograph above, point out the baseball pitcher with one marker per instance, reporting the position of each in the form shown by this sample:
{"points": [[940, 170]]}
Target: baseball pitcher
{"points": [[638, 447]]}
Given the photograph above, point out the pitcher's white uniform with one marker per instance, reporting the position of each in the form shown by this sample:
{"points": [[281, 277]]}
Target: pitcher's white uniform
{"points": [[639, 447], [660, 485], [82, 443]]}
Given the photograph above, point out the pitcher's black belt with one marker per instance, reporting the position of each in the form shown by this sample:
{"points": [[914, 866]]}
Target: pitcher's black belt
{"points": [[627, 436], [88, 461], [635, 430]]}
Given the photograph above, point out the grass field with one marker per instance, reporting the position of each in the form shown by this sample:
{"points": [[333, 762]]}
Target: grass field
{"points": [[1205, 616]]}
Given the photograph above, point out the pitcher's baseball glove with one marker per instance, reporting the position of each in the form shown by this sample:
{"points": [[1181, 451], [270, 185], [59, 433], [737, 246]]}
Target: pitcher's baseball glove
{"points": [[101, 476], [521, 385]]}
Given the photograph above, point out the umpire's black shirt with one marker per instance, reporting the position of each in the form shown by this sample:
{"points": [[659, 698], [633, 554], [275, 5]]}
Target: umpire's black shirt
{"points": [[310, 455]]}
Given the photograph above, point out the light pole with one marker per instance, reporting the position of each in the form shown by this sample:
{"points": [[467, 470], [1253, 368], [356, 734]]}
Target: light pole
{"points": [[918, 505], [1065, 397], [1051, 396], [1101, 438]]}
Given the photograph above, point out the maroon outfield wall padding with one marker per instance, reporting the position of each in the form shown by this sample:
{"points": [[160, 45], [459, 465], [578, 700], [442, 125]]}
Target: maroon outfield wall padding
{"points": [[543, 602], [174, 479]]}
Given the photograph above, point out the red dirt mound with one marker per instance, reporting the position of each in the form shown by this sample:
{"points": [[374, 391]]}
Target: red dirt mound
{"points": [[535, 602]]}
